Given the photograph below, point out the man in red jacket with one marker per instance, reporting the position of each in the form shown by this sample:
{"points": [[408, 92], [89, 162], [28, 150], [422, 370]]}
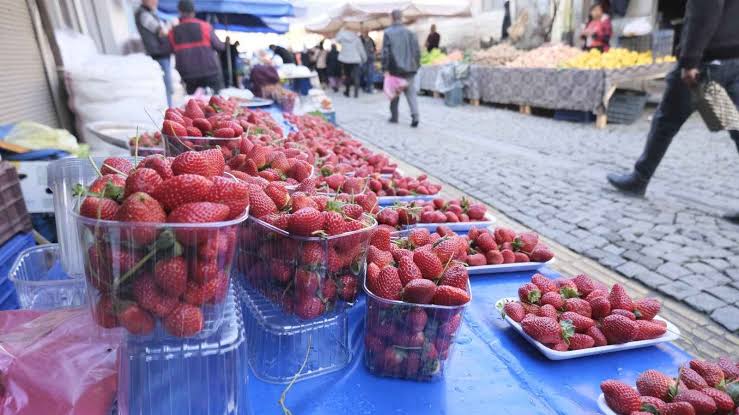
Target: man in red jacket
{"points": [[196, 47]]}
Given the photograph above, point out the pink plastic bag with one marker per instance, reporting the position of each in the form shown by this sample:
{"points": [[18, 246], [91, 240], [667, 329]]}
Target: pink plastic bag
{"points": [[54, 363], [393, 86]]}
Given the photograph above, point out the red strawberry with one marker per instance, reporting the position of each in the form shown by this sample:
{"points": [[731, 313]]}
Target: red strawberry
{"points": [[485, 242], [723, 400], [348, 288], [625, 313], [456, 276], [388, 217], [224, 133], [183, 189], [548, 310], [476, 211], [598, 336], [649, 330], [278, 220], [381, 237], [158, 163], [184, 321], [514, 310], [171, 276], [199, 212], [678, 408], [109, 186], [600, 307], [387, 285], [333, 222], [203, 163], [657, 384], [98, 208], [419, 291], [646, 308], [692, 379], [202, 124], [531, 308], [598, 293], [260, 204], [580, 341], [142, 180], [543, 329], [173, 129], [619, 299], [103, 313], [116, 165], [193, 132], [702, 403], [652, 405], [378, 257], [193, 110], [419, 236], [579, 306], [305, 222], [301, 170], [709, 371], [508, 256], [730, 369], [620, 397], [584, 284], [581, 323], [476, 260], [373, 271], [198, 294], [553, 298], [560, 347], [150, 298], [278, 193], [520, 257], [140, 207], [408, 270], [526, 242], [541, 254], [450, 296], [232, 193], [503, 235], [544, 284], [416, 320], [446, 248], [494, 257], [136, 320], [619, 329], [529, 293], [429, 264]]}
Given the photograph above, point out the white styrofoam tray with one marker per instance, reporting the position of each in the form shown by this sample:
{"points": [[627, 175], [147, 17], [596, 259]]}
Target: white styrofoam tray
{"points": [[456, 226], [502, 268], [603, 406], [672, 334]]}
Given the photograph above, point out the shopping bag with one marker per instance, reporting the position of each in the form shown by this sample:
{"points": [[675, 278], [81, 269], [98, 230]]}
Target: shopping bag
{"points": [[716, 107], [393, 86]]}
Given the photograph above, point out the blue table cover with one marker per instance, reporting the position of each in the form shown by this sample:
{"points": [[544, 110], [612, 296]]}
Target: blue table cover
{"points": [[493, 371]]}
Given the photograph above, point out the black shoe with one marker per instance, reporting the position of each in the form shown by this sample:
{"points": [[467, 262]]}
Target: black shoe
{"points": [[632, 183], [393, 120], [732, 217], [346, 94], [414, 123]]}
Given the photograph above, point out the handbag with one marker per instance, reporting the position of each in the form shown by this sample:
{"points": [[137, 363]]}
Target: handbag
{"points": [[715, 106]]}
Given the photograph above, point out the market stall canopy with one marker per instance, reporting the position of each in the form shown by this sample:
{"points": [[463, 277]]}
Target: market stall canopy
{"points": [[376, 15], [260, 8], [240, 22]]}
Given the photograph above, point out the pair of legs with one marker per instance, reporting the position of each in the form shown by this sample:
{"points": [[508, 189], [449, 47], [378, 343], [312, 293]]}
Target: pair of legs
{"points": [[368, 75], [410, 96], [167, 70], [676, 107], [352, 73], [214, 82]]}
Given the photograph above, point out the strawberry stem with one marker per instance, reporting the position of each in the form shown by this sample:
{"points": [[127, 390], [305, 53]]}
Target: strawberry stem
{"points": [[94, 166], [283, 395]]}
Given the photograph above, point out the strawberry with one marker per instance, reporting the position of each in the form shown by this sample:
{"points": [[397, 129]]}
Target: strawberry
{"points": [[136, 320], [140, 207], [333, 222], [381, 237], [541, 253], [678, 408], [408, 270], [232, 193], [619, 329], [476, 260], [305, 222], [352, 211], [158, 163], [503, 235], [150, 298], [225, 132], [620, 397], [652, 405], [702, 403], [203, 163], [173, 129], [580, 341], [103, 313], [445, 230], [456, 276], [548, 310], [709, 371], [598, 336], [183, 189], [723, 400], [142, 180], [301, 170], [692, 379], [646, 308], [553, 298], [446, 248], [198, 294], [598, 293], [184, 321], [199, 212], [628, 314], [581, 323], [111, 184], [99, 208], [116, 165], [529, 293], [373, 272], [202, 124], [543, 329], [520, 257], [387, 284], [526, 242], [485, 242], [348, 288], [579, 306], [300, 201], [171, 275], [730, 369], [306, 283], [584, 284], [278, 220], [600, 307], [508, 256], [450, 296], [193, 110], [378, 257], [619, 299], [278, 193], [193, 132], [419, 291], [494, 257], [429, 264], [416, 320], [419, 236], [649, 330], [560, 347], [260, 204], [544, 284], [514, 310], [657, 384]]}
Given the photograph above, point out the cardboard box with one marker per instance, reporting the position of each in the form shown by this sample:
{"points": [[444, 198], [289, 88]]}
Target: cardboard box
{"points": [[37, 195]]}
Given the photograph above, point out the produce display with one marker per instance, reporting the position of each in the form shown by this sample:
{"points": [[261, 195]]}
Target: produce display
{"points": [[433, 211], [701, 387], [579, 313], [283, 97], [146, 144], [615, 58], [158, 241], [497, 55], [546, 56], [393, 185], [415, 302], [503, 246], [433, 57]]}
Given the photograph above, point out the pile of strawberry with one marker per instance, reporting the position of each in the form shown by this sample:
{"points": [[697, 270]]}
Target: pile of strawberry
{"points": [[432, 211], [304, 252], [400, 185], [271, 163], [144, 262], [146, 140], [700, 388], [403, 339], [504, 246], [579, 313]]}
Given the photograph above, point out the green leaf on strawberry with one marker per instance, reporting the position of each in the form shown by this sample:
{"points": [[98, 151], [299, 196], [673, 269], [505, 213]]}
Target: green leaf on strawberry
{"points": [[569, 292], [733, 390], [646, 407], [568, 330]]}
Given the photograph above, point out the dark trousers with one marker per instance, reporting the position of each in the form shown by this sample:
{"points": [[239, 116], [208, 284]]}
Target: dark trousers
{"points": [[676, 107], [368, 75], [215, 82], [352, 73]]}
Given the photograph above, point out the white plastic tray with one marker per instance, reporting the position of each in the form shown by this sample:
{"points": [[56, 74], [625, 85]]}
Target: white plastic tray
{"points": [[256, 103], [673, 333], [603, 406], [502, 268], [456, 226]]}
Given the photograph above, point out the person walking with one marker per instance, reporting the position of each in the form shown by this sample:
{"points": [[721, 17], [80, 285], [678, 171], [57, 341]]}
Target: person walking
{"points": [[709, 49], [368, 67], [151, 29], [351, 56], [433, 40], [196, 48], [401, 56], [321, 56], [333, 68]]}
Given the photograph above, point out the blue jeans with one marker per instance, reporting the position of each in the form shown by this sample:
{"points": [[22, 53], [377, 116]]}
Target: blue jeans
{"points": [[677, 106], [368, 74], [167, 69]]}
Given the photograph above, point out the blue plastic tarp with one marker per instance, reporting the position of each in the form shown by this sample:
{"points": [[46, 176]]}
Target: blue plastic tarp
{"points": [[261, 8], [240, 22], [493, 371]]}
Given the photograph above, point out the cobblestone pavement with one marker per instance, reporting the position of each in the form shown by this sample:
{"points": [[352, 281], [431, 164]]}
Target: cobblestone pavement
{"points": [[550, 176]]}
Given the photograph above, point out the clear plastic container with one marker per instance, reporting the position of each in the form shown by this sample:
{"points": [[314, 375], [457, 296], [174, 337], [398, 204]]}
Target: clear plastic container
{"points": [[409, 341], [174, 146], [41, 282], [279, 344], [195, 376], [306, 276], [159, 267]]}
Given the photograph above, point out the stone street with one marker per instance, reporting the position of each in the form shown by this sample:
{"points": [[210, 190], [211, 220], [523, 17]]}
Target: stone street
{"points": [[550, 176]]}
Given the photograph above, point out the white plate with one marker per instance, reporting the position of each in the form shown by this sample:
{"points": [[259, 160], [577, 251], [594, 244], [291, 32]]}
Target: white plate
{"points": [[256, 103], [456, 226], [673, 333], [501, 268], [603, 406], [117, 133], [391, 200]]}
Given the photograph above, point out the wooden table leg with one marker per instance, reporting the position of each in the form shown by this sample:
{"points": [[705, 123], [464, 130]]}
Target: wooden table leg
{"points": [[601, 120]]}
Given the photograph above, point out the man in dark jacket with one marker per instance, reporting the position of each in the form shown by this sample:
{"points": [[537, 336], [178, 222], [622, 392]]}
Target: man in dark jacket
{"points": [[401, 56], [196, 48], [709, 48], [284, 54], [151, 30]]}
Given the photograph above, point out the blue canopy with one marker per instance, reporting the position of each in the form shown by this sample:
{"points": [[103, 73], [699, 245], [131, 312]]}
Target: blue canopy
{"points": [[240, 22], [259, 8]]}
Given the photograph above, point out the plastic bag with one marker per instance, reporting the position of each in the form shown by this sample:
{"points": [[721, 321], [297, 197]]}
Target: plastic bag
{"points": [[393, 86], [37, 136], [55, 363]]}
